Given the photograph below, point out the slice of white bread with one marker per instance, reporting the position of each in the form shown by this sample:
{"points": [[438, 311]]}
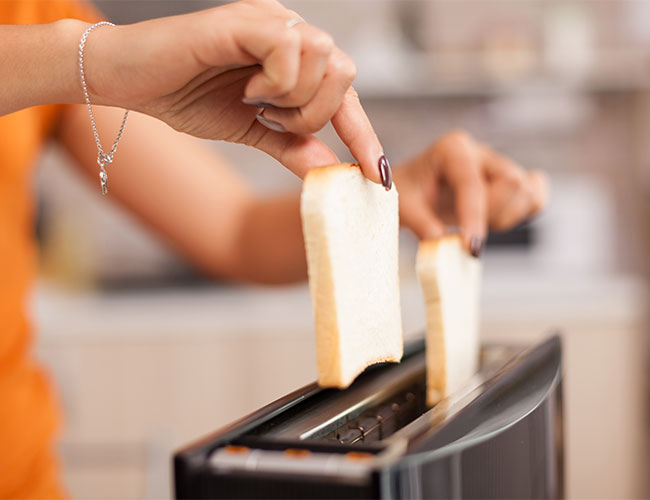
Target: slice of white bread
{"points": [[350, 226], [450, 279]]}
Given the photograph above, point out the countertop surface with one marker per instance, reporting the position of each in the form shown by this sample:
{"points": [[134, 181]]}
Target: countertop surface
{"points": [[233, 310]]}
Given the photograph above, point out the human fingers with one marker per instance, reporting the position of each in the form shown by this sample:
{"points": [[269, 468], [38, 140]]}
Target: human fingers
{"points": [[506, 180], [540, 190], [417, 215], [461, 168], [314, 115], [257, 33], [353, 127], [514, 194], [518, 205], [298, 153], [317, 48], [507, 207], [350, 123]]}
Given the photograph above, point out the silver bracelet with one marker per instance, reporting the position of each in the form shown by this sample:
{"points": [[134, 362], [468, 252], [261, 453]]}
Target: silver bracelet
{"points": [[103, 159]]}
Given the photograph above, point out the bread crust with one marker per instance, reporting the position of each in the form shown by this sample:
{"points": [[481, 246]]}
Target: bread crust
{"points": [[330, 170], [433, 245], [321, 282], [436, 348], [435, 340]]}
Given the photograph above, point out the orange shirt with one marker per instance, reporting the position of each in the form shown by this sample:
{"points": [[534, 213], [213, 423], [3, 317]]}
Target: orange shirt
{"points": [[28, 413]]}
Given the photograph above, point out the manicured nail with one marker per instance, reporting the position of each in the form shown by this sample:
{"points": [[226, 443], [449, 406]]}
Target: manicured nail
{"points": [[476, 246], [271, 124], [385, 173], [258, 102]]}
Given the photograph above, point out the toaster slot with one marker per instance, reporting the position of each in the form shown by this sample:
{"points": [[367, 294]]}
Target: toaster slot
{"points": [[381, 420]]}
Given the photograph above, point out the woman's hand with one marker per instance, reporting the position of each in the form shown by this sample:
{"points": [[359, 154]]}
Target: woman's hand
{"points": [[213, 73], [460, 182]]}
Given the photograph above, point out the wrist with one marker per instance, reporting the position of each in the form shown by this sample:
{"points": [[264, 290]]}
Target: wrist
{"points": [[99, 64], [67, 84]]}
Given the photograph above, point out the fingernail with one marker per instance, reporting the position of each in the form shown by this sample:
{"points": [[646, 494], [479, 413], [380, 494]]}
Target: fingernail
{"points": [[385, 173], [258, 102], [476, 246], [271, 124]]}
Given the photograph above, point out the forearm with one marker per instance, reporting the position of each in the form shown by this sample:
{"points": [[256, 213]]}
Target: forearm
{"points": [[271, 247], [193, 199], [38, 65]]}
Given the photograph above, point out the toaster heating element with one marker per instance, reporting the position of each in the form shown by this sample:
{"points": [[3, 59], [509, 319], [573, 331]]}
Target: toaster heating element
{"points": [[498, 437]]}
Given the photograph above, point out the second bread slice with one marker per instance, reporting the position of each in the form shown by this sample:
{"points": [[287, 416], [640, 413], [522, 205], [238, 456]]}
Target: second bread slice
{"points": [[350, 226], [450, 279]]}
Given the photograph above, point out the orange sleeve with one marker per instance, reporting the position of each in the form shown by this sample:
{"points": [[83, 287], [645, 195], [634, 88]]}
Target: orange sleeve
{"points": [[46, 11], [29, 413]]}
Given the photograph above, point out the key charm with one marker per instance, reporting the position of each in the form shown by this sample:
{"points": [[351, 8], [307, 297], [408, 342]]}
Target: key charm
{"points": [[103, 179]]}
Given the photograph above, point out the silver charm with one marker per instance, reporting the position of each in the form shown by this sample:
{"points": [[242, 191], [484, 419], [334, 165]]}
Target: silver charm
{"points": [[103, 159], [103, 179]]}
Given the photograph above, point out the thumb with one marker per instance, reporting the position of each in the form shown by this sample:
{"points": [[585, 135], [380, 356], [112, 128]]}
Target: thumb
{"points": [[298, 153]]}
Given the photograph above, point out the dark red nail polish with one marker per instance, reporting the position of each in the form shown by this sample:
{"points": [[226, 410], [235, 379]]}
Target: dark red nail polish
{"points": [[385, 173], [258, 102], [476, 246]]}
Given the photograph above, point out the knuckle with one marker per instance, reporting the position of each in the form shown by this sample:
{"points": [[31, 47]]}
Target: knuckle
{"points": [[270, 3], [352, 95], [283, 87], [458, 138], [344, 67], [288, 38], [350, 70], [456, 144], [280, 85], [322, 43]]}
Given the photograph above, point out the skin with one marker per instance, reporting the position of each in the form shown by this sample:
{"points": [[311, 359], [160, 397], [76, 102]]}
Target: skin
{"points": [[210, 74], [460, 182], [198, 203], [193, 71], [193, 198]]}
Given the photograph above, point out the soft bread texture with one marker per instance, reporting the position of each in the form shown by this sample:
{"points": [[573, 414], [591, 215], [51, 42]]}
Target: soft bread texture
{"points": [[450, 279], [350, 225]]}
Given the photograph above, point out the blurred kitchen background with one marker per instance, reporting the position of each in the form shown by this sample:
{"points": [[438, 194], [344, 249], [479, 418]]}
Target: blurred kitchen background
{"points": [[148, 356]]}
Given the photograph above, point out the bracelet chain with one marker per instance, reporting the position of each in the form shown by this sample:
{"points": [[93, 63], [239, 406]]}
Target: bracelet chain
{"points": [[103, 159]]}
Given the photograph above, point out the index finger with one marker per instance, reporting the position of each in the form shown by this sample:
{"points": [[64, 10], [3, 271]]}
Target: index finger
{"points": [[461, 166], [353, 127], [298, 153]]}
